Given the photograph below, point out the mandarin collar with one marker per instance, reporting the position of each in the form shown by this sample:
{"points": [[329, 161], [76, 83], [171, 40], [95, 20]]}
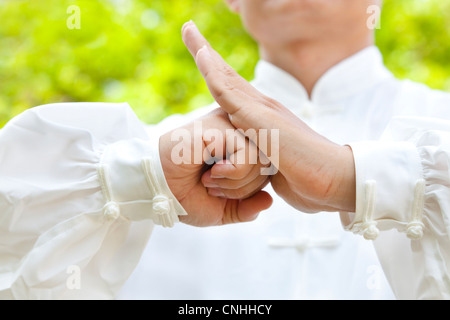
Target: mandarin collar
{"points": [[349, 77]]}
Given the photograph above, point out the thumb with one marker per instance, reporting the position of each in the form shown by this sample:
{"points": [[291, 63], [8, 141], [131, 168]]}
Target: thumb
{"points": [[246, 210]]}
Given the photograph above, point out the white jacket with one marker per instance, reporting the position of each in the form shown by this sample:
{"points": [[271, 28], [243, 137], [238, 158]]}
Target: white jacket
{"points": [[81, 188]]}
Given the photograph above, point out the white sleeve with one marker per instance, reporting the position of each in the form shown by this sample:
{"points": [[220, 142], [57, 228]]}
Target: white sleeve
{"points": [[403, 201], [81, 187]]}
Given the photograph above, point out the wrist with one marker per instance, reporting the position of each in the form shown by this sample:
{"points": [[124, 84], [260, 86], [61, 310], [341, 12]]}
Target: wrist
{"points": [[164, 157], [344, 184]]}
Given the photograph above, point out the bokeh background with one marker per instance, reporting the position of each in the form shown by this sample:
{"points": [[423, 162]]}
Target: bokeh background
{"points": [[131, 50]]}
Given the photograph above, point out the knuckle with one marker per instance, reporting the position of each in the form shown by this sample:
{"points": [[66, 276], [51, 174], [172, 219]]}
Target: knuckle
{"points": [[231, 212], [235, 194], [270, 103], [222, 93], [228, 71], [232, 184], [241, 171]]}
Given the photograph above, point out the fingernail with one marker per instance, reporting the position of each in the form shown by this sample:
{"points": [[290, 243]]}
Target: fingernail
{"points": [[190, 22], [216, 193], [211, 184]]}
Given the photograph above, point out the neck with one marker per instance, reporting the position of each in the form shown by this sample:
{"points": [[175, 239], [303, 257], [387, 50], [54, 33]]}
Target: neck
{"points": [[308, 61]]}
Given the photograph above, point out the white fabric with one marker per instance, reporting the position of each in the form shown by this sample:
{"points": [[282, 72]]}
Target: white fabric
{"points": [[76, 201], [284, 254], [82, 187], [413, 198], [289, 255]]}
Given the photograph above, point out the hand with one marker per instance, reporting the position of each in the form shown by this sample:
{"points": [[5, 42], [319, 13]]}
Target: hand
{"points": [[187, 162], [314, 174]]}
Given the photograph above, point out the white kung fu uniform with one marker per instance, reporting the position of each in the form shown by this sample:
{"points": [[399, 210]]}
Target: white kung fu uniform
{"points": [[81, 188], [285, 254]]}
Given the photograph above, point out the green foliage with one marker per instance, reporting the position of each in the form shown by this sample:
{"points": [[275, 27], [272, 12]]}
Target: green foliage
{"points": [[131, 50], [124, 51], [415, 40]]}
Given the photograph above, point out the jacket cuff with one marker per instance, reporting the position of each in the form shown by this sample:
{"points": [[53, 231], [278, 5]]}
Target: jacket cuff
{"points": [[134, 185], [390, 190]]}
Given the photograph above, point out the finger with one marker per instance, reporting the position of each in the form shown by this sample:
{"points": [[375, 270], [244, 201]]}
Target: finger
{"points": [[233, 173], [242, 157], [225, 183], [248, 109], [192, 38], [243, 192], [228, 88], [237, 211], [231, 178]]}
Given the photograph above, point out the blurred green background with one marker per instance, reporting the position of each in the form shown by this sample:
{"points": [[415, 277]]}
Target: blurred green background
{"points": [[131, 50]]}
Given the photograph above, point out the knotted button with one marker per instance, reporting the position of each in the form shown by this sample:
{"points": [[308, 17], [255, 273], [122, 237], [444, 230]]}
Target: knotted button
{"points": [[161, 205], [415, 231], [307, 110], [371, 231], [112, 210]]}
